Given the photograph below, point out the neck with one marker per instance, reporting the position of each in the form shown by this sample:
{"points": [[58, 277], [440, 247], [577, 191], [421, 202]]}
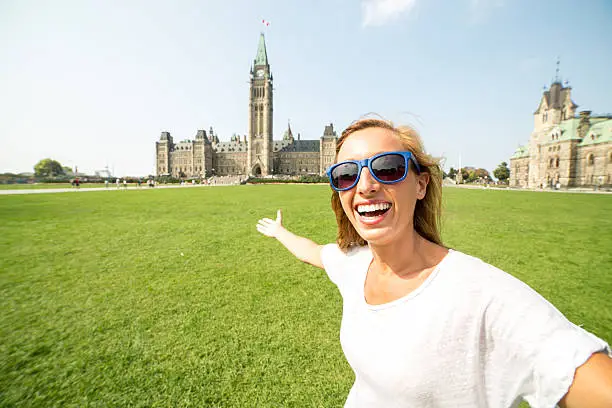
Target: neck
{"points": [[407, 257]]}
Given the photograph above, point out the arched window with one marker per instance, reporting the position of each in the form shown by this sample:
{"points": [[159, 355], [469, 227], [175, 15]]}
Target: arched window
{"points": [[557, 163], [590, 159]]}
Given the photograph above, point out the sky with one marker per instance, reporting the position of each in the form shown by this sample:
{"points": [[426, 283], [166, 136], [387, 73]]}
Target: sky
{"points": [[94, 83]]}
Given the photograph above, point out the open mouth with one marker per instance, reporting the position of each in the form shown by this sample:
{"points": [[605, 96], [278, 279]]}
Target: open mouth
{"points": [[373, 210]]}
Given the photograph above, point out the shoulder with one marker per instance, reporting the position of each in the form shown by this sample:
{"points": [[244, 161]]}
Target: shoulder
{"points": [[468, 270], [513, 311], [332, 254], [496, 292], [337, 262], [334, 251]]}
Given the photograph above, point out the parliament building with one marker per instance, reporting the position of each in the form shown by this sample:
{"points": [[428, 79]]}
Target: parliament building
{"points": [[256, 153], [565, 149]]}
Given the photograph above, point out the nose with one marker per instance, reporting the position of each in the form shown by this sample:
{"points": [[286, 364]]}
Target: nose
{"points": [[367, 183]]}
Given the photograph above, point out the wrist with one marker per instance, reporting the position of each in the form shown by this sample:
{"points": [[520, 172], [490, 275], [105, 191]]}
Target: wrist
{"points": [[280, 232]]}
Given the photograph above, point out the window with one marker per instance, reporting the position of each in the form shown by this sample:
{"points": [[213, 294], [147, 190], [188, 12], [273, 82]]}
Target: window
{"points": [[557, 163], [590, 159]]}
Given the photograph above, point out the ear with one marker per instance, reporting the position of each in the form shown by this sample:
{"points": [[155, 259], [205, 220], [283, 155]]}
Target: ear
{"points": [[421, 185]]}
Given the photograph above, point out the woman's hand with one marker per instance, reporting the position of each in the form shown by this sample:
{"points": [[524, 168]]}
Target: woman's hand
{"points": [[304, 249], [271, 228]]}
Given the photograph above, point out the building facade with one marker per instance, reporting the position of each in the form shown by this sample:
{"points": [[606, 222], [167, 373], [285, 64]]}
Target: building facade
{"points": [[565, 149], [256, 153]]}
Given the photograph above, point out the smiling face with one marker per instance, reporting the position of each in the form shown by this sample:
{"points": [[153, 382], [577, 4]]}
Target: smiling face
{"points": [[380, 213]]}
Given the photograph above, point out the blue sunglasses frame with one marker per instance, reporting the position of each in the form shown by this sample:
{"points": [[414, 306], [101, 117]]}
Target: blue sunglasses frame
{"points": [[407, 155]]}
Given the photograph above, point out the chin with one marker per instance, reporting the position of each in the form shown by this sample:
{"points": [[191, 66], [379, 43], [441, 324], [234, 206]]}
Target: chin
{"points": [[379, 236]]}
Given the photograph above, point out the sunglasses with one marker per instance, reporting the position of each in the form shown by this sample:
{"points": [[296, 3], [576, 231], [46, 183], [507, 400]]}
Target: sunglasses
{"points": [[386, 168]]}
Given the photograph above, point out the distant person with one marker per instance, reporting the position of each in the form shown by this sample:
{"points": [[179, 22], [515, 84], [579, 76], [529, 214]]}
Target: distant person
{"points": [[77, 183], [118, 181], [139, 183], [106, 183], [424, 325], [125, 184]]}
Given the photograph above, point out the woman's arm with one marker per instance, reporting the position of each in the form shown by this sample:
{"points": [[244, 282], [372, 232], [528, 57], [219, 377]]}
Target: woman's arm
{"points": [[592, 385], [303, 248]]}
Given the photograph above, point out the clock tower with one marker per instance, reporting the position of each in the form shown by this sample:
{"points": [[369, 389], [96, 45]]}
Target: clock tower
{"points": [[259, 158]]}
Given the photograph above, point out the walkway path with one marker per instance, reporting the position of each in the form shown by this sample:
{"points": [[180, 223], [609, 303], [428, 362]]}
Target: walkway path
{"points": [[113, 188]]}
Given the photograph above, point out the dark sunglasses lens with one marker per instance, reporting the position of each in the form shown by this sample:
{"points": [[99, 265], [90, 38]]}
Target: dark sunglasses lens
{"points": [[390, 167], [344, 175]]}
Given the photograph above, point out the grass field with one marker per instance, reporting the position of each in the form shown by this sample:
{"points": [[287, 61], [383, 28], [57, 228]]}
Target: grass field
{"points": [[170, 297]]}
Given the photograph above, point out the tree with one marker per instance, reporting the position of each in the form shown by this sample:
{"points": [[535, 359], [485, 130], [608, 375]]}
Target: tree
{"points": [[502, 172], [481, 174], [475, 174], [48, 168], [452, 173]]}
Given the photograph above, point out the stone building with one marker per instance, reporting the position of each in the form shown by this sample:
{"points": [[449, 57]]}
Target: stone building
{"points": [[565, 149], [254, 154]]}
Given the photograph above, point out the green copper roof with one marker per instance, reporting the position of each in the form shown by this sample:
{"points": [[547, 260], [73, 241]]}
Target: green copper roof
{"points": [[569, 129], [262, 56], [600, 132], [521, 152], [564, 131]]}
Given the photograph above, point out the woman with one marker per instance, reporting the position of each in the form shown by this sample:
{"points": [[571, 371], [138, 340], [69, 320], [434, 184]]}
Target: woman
{"points": [[424, 325]]}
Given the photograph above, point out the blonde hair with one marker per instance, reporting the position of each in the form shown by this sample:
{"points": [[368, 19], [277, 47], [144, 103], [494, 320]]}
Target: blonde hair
{"points": [[428, 210]]}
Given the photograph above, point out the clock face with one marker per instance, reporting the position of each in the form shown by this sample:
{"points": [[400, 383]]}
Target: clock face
{"points": [[260, 73]]}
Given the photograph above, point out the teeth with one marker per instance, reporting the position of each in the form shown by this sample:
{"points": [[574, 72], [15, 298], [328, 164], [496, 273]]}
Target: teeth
{"points": [[363, 208]]}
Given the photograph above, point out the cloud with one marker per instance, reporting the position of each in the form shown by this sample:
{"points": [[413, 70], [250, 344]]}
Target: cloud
{"points": [[381, 12]]}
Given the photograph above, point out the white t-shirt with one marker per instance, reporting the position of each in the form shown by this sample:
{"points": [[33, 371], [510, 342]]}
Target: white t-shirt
{"points": [[470, 336]]}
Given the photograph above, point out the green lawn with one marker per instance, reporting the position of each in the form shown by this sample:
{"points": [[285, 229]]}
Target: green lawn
{"points": [[172, 298]]}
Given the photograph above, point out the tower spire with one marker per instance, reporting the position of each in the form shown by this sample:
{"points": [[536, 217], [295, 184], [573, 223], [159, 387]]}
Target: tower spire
{"points": [[262, 55], [557, 70]]}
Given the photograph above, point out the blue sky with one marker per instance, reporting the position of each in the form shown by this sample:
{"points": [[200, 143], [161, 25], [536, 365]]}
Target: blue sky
{"points": [[93, 83]]}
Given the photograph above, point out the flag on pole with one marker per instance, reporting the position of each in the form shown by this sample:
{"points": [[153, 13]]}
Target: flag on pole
{"points": [[266, 23]]}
